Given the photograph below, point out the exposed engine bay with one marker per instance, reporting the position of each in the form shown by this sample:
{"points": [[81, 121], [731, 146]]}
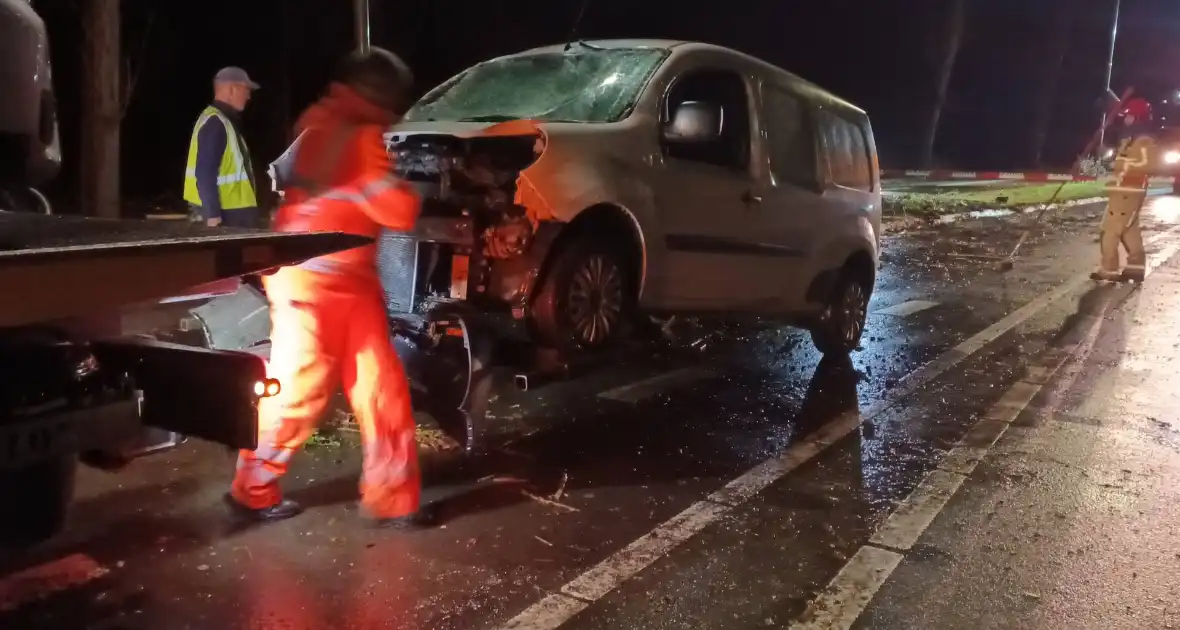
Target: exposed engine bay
{"points": [[471, 219]]}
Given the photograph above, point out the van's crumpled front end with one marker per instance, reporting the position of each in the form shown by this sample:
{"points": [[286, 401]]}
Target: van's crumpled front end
{"points": [[467, 265], [476, 215]]}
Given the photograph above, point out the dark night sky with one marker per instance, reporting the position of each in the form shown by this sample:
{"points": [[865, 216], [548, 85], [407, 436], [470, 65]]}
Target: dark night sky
{"points": [[875, 53]]}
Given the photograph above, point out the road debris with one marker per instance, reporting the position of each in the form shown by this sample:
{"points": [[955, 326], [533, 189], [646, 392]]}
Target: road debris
{"points": [[556, 496], [560, 506]]}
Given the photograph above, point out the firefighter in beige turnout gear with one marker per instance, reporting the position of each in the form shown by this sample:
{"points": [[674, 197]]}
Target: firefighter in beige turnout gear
{"points": [[1126, 192]]}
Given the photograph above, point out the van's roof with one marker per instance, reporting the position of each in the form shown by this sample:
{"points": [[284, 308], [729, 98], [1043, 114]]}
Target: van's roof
{"points": [[796, 81]]}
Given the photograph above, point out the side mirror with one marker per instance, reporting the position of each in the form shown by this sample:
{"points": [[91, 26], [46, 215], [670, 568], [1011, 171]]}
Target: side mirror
{"points": [[282, 170], [694, 122]]}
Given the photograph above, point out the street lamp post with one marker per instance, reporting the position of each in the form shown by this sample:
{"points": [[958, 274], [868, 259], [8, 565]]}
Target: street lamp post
{"points": [[1114, 33], [361, 21]]}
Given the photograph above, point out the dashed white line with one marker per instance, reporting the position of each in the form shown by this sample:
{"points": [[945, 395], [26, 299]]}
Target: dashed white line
{"points": [[853, 588], [915, 514], [906, 308], [639, 390], [759, 477], [547, 614], [556, 609], [632, 559]]}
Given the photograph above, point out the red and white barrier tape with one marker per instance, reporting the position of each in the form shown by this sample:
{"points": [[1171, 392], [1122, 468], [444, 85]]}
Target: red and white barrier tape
{"points": [[1001, 175]]}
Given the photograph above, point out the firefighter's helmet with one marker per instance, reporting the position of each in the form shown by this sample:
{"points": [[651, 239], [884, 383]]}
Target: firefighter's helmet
{"points": [[380, 76], [1136, 107]]}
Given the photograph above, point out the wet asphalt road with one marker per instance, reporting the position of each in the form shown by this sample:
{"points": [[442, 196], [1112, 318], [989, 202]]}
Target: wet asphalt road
{"points": [[729, 492]]}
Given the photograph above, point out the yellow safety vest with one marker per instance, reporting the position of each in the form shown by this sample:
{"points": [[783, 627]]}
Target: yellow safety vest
{"points": [[235, 187]]}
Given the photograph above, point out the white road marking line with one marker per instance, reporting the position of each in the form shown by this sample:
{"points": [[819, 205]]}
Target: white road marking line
{"points": [[759, 477], [546, 614], [1036, 374], [906, 308], [1014, 401], [984, 434], [850, 591], [750, 483], [620, 566], [637, 391], [858, 581], [902, 529], [34, 583], [963, 459]]}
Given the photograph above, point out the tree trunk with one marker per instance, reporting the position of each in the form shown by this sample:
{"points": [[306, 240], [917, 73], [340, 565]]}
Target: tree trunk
{"points": [[1058, 47], [950, 52], [102, 109]]}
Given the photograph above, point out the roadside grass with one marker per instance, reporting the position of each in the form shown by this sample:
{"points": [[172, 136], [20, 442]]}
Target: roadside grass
{"points": [[964, 200]]}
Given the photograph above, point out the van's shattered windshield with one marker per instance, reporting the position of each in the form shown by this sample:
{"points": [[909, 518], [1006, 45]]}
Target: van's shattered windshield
{"points": [[582, 85]]}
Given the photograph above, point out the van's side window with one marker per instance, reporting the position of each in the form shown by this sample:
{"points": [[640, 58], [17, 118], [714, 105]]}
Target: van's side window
{"points": [[862, 171], [790, 141], [846, 152], [720, 88]]}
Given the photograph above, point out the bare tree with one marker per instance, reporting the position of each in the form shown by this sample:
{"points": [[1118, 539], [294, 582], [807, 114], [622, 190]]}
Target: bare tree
{"points": [[133, 67], [948, 53], [102, 109], [1057, 49]]}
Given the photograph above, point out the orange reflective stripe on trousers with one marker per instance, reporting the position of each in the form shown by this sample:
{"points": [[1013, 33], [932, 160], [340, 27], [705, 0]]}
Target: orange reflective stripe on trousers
{"points": [[315, 345]]}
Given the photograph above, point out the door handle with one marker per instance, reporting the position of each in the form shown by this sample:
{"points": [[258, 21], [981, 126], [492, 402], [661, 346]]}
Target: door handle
{"points": [[750, 198]]}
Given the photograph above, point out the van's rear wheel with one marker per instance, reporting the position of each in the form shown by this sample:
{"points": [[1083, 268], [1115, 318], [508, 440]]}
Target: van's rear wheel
{"points": [[586, 299], [843, 321]]}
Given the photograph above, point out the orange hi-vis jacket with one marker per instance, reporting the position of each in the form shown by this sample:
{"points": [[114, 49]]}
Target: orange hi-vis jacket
{"points": [[344, 182]]}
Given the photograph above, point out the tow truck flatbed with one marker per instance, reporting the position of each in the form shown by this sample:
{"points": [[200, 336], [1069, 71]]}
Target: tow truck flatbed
{"points": [[65, 266]]}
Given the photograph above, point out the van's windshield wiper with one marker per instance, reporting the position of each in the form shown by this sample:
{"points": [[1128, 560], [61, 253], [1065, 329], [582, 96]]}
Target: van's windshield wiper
{"points": [[489, 118]]}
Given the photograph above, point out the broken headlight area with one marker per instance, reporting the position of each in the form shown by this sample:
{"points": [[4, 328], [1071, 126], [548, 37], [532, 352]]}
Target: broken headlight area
{"points": [[470, 221]]}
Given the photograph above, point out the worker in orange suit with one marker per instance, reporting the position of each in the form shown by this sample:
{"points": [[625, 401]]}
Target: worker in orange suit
{"points": [[328, 315]]}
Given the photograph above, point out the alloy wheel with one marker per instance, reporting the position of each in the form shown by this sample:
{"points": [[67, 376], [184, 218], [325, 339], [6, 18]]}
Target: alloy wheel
{"points": [[595, 302]]}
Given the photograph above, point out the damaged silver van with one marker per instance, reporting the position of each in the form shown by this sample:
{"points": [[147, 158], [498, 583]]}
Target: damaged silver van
{"points": [[573, 193], [576, 186]]}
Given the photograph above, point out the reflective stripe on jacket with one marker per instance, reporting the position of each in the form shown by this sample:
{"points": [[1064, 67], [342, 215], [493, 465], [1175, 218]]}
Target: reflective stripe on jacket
{"points": [[1132, 168], [339, 178], [235, 186]]}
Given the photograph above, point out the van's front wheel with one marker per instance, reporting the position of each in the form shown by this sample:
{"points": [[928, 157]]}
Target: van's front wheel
{"points": [[843, 322], [586, 298]]}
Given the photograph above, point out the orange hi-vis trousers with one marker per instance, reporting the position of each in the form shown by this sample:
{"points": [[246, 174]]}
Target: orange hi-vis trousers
{"points": [[319, 338]]}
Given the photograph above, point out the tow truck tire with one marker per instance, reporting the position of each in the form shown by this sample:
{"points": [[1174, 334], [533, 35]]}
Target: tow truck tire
{"points": [[586, 280], [839, 329], [36, 500]]}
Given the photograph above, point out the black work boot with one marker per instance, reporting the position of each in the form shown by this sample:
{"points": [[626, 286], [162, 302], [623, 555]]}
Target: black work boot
{"points": [[283, 510], [426, 517]]}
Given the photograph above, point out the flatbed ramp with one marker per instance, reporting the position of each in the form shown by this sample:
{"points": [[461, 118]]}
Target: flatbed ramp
{"points": [[55, 266]]}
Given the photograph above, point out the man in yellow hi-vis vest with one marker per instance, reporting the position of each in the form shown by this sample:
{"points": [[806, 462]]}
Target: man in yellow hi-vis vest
{"points": [[1127, 190], [219, 177]]}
